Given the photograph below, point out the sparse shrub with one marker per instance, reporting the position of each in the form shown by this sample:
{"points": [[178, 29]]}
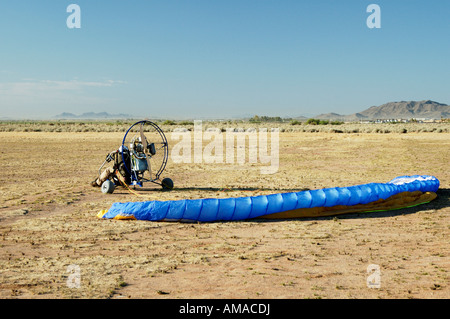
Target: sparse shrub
{"points": [[186, 123], [322, 122], [313, 121]]}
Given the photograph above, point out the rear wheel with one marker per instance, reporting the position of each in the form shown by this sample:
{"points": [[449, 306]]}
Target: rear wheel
{"points": [[108, 187]]}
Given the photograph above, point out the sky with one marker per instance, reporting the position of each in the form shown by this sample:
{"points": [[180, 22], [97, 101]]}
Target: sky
{"points": [[220, 58]]}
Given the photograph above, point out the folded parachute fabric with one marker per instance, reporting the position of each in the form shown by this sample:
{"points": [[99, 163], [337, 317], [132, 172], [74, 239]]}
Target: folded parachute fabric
{"points": [[401, 192]]}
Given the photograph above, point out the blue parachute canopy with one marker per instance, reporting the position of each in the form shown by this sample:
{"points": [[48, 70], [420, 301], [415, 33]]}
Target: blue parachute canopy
{"points": [[242, 208]]}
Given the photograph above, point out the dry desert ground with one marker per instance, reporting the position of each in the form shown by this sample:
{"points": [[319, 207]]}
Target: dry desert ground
{"points": [[48, 222]]}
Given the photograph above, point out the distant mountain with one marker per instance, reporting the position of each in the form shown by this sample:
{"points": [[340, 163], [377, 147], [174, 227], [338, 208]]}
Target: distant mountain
{"points": [[397, 110], [66, 115], [331, 116], [92, 116], [407, 110]]}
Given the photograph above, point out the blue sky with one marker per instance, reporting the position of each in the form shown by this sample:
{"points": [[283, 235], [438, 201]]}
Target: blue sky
{"points": [[220, 58]]}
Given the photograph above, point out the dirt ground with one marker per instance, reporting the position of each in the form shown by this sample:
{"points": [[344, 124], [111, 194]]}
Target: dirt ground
{"points": [[48, 223]]}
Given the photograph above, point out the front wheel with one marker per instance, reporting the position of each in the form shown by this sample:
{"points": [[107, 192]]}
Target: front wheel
{"points": [[167, 183]]}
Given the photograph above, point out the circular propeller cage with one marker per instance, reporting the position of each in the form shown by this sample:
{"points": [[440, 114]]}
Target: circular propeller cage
{"points": [[149, 152]]}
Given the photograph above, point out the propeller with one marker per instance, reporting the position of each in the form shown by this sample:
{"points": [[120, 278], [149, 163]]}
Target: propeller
{"points": [[145, 144]]}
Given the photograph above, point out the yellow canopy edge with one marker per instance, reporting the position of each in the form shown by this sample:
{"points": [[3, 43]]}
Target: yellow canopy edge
{"points": [[398, 201]]}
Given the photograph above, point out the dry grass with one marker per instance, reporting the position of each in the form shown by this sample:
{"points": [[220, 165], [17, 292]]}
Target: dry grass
{"points": [[121, 126], [48, 222]]}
